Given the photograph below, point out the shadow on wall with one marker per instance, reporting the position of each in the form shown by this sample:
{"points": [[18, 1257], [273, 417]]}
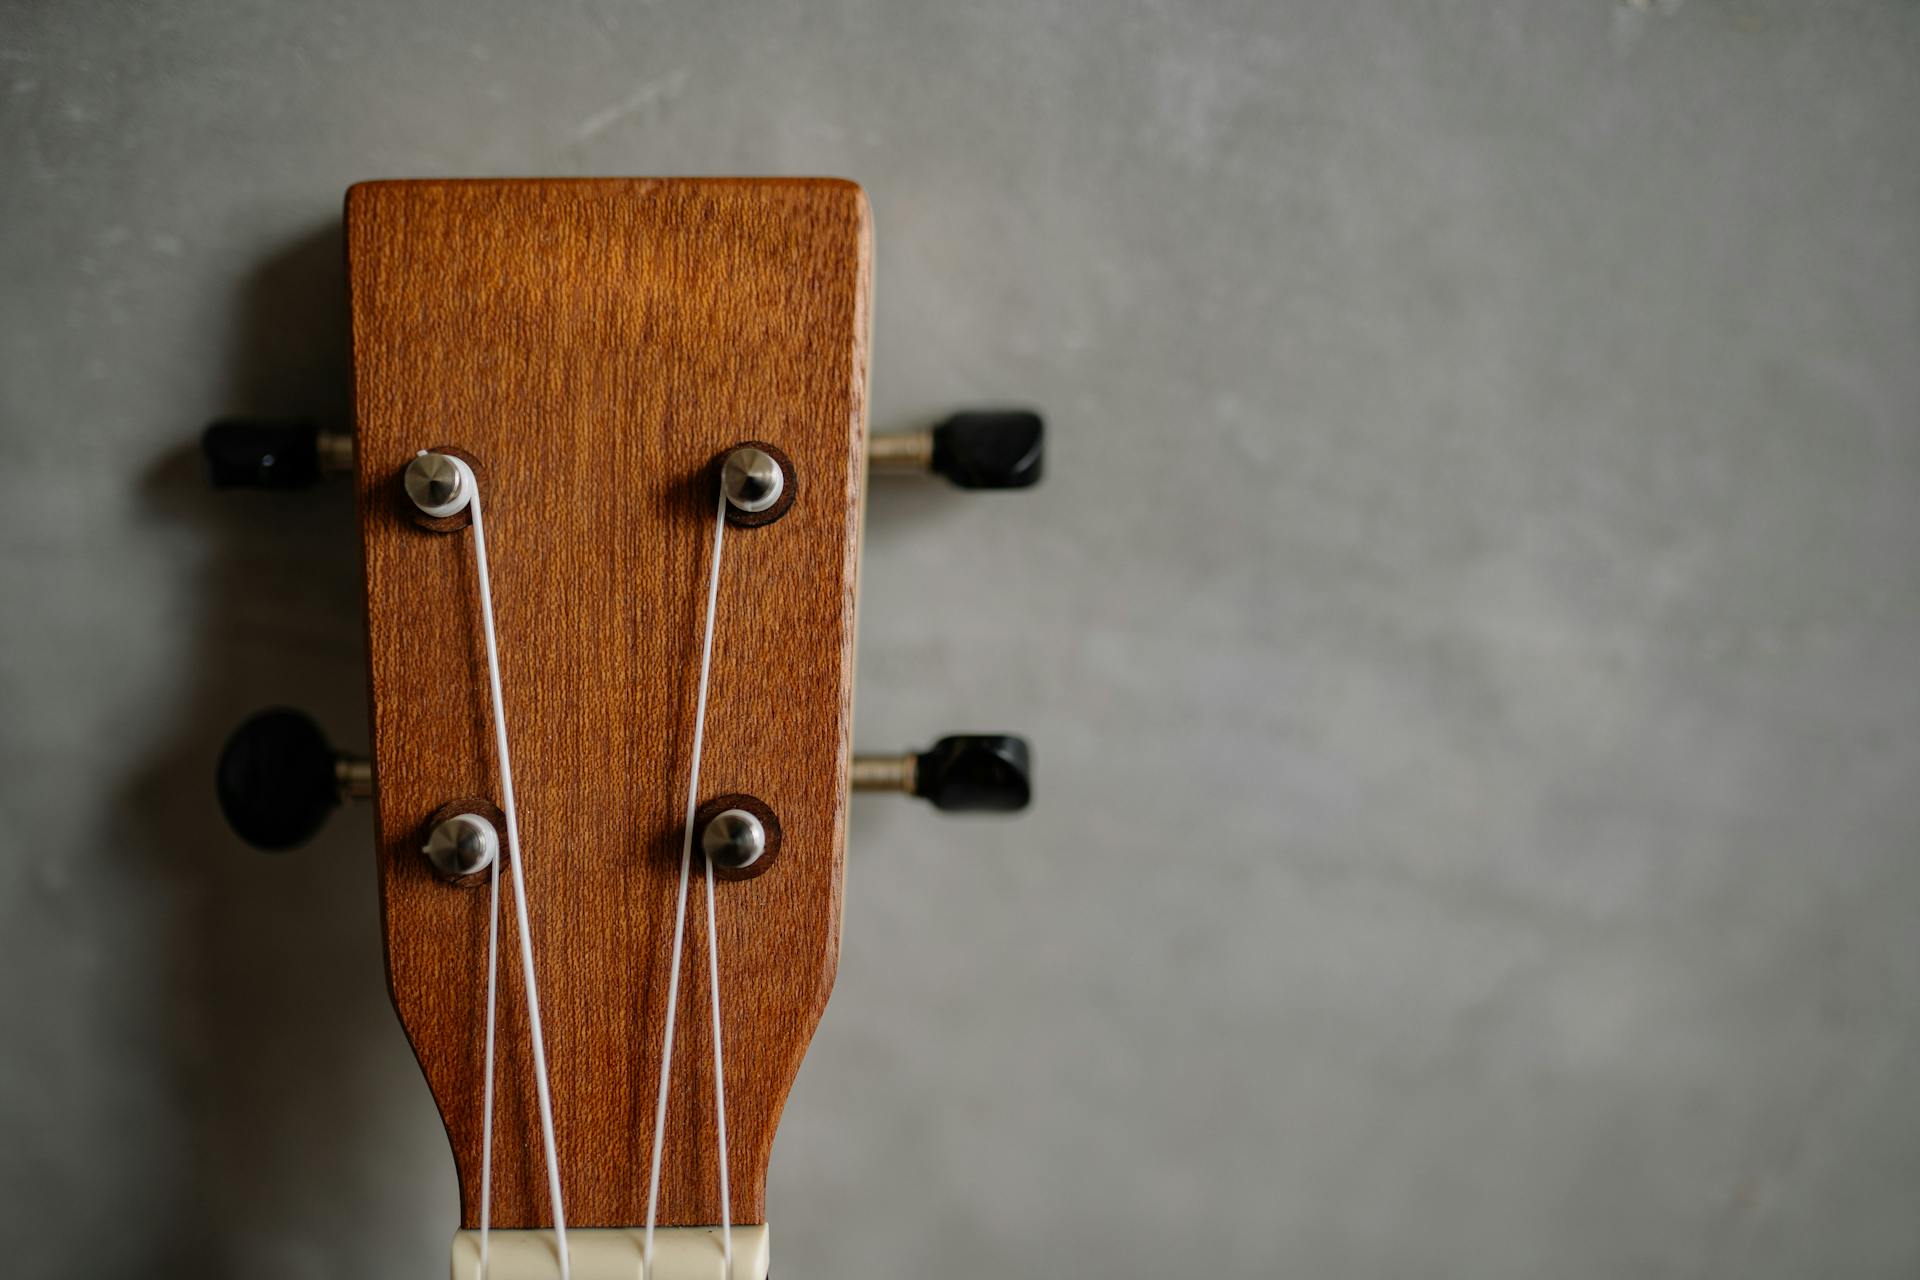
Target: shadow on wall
{"points": [[282, 1055]]}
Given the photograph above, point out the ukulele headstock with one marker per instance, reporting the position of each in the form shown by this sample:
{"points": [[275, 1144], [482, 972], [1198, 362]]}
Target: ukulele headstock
{"points": [[634, 380], [594, 349]]}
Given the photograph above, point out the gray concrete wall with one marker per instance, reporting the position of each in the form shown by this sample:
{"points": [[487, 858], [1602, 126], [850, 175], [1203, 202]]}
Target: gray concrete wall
{"points": [[1471, 630]]}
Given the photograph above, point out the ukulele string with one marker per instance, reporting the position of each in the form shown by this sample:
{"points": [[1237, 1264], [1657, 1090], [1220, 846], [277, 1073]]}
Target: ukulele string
{"points": [[679, 940], [486, 1111], [541, 1088], [719, 1070]]}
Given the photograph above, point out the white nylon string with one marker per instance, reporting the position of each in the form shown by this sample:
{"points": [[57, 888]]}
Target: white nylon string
{"points": [[486, 1112], [541, 1090], [679, 942], [719, 1066]]}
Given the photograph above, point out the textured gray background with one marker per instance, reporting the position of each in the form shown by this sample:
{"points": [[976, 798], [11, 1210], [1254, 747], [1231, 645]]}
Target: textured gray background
{"points": [[1471, 631]]}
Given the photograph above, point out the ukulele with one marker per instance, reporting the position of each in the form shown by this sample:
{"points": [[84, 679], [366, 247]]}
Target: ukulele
{"points": [[610, 453]]}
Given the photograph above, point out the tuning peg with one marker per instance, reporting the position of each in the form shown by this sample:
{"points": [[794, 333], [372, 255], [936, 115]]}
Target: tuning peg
{"points": [[966, 773], [278, 779], [251, 453], [978, 449]]}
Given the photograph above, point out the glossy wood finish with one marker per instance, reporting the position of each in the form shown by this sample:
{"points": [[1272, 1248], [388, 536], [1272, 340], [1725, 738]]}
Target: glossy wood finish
{"points": [[594, 345]]}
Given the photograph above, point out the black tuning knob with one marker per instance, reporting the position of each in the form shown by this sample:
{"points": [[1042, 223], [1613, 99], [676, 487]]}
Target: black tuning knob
{"points": [[978, 449], [976, 772], [248, 453], [991, 449], [278, 779], [965, 773]]}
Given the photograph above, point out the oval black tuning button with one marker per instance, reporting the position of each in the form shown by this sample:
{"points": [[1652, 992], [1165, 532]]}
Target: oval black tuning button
{"points": [[278, 779], [978, 449], [964, 773], [976, 773], [990, 449], [253, 453]]}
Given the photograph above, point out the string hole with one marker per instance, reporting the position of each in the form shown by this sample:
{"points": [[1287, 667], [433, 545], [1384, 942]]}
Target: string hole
{"points": [[758, 481], [461, 842], [734, 839], [438, 484], [740, 833]]}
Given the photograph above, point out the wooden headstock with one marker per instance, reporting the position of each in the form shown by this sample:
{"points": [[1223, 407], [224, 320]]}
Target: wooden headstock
{"points": [[584, 354], [592, 347]]}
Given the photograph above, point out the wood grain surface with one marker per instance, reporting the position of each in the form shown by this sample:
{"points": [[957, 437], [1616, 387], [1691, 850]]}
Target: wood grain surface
{"points": [[594, 345]]}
